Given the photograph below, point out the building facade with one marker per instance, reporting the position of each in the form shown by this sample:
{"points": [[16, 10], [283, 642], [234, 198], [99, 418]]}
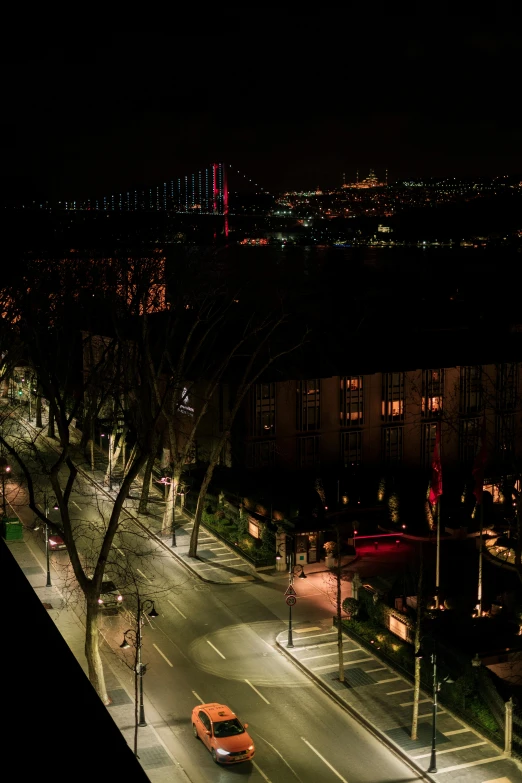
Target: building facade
{"points": [[386, 419]]}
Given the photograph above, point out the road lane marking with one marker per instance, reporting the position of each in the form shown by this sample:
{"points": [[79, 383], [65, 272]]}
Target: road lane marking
{"points": [[307, 630], [255, 689], [176, 608], [451, 750], [380, 669], [163, 656], [394, 693], [216, 649], [261, 772], [411, 703], [346, 663], [76, 504], [455, 731], [119, 550], [198, 697], [430, 714], [391, 679], [144, 576], [471, 764], [325, 761], [280, 756]]}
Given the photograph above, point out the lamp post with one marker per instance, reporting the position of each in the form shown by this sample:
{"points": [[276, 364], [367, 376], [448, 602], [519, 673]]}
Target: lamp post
{"points": [[46, 512], [291, 598], [433, 757], [134, 637]]}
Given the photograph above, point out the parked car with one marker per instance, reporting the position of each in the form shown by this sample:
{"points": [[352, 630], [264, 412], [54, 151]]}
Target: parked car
{"points": [[222, 733]]}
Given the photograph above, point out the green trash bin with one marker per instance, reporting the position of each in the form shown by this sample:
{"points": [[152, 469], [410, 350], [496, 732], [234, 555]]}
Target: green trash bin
{"points": [[12, 529]]}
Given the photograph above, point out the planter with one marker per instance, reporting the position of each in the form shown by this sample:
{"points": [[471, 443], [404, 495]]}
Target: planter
{"points": [[329, 561]]}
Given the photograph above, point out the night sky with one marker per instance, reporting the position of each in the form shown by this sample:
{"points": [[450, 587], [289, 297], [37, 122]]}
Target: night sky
{"points": [[293, 101]]}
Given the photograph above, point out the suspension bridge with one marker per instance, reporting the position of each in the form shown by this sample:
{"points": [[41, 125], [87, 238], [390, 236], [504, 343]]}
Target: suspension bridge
{"points": [[203, 192]]}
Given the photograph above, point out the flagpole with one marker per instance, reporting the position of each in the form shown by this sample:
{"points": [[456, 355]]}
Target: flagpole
{"points": [[437, 561], [478, 475], [480, 561]]}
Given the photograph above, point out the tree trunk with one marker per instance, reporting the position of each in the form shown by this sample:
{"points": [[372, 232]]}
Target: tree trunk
{"points": [[86, 432], [193, 548], [147, 475], [92, 445], [115, 452], [50, 427], [168, 514], [339, 609], [416, 687], [39, 422], [92, 651]]}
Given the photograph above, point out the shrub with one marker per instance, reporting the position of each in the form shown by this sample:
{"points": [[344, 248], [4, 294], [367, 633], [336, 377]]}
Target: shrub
{"points": [[351, 607]]}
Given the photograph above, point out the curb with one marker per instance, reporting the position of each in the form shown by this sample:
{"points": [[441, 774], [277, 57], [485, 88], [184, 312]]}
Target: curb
{"points": [[377, 733]]}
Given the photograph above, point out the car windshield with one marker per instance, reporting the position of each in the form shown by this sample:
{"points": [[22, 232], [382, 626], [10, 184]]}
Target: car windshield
{"points": [[228, 728]]}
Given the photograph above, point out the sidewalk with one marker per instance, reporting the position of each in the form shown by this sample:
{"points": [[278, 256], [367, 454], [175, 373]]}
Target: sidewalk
{"points": [[382, 700], [156, 759]]}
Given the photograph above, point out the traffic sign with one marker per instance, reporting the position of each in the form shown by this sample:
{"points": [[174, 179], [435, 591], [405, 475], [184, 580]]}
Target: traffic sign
{"points": [[290, 590], [291, 600]]}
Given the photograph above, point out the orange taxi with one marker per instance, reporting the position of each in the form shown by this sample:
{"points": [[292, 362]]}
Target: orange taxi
{"points": [[223, 733]]}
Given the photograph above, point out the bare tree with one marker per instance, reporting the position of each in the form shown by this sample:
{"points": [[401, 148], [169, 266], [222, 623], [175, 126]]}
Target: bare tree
{"points": [[256, 363], [44, 320]]}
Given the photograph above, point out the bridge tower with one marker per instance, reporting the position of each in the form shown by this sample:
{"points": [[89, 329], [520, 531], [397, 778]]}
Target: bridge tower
{"points": [[219, 189]]}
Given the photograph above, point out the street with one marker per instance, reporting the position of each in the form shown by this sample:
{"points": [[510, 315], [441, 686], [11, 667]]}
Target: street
{"points": [[217, 643]]}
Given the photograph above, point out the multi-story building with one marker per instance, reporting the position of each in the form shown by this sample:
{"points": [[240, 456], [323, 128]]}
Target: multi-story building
{"points": [[386, 420]]}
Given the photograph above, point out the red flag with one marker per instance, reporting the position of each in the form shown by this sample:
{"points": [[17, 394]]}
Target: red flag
{"points": [[436, 471], [478, 465]]}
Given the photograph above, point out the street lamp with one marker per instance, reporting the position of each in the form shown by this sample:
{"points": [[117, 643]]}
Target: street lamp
{"points": [[46, 512], [435, 688], [134, 638], [290, 593]]}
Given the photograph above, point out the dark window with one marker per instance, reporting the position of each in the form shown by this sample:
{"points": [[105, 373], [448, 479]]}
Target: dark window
{"points": [[392, 444], [308, 404], [507, 383], [261, 454], [393, 396], [505, 436], [471, 389], [352, 406], [263, 413], [308, 451], [429, 434], [469, 436], [432, 392], [205, 720], [351, 448]]}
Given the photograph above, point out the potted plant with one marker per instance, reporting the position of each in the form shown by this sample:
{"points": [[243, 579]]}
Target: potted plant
{"points": [[331, 550]]}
